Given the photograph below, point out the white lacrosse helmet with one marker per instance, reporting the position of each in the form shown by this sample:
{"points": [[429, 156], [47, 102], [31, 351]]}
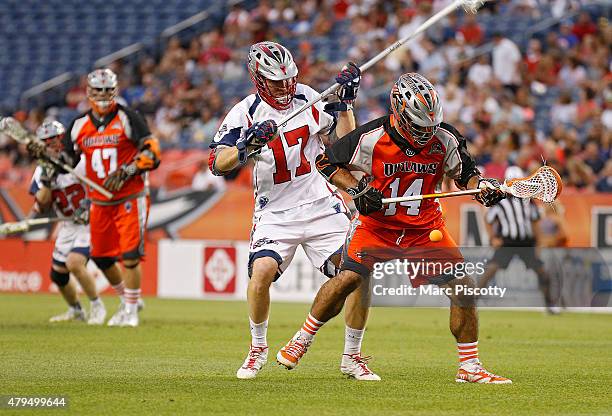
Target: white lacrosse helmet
{"points": [[102, 90], [269, 61], [416, 107], [50, 129], [51, 132]]}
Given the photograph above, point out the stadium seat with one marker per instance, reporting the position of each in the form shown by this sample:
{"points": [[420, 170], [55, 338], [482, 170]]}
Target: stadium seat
{"points": [[71, 29]]}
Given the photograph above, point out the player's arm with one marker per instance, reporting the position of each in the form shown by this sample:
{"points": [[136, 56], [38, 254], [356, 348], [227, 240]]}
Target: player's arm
{"points": [[490, 219], [341, 104], [40, 188], [237, 139], [148, 156], [460, 166], [335, 166], [223, 159]]}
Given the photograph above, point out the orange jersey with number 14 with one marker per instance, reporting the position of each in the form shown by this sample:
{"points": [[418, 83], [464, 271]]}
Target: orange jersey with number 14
{"points": [[397, 169], [108, 144]]}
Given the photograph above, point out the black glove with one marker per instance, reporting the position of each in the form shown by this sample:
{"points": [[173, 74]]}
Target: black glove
{"points": [[260, 133], [117, 179], [490, 194], [36, 149], [349, 79], [367, 199], [81, 214], [48, 173]]}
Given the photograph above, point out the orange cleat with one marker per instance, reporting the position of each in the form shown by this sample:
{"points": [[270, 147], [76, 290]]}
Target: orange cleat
{"points": [[290, 354], [476, 373]]}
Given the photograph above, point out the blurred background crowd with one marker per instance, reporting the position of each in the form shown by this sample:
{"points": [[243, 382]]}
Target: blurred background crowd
{"points": [[523, 80]]}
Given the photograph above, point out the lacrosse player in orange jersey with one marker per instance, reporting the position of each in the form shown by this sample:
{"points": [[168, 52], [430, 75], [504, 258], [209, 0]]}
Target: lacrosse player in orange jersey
{"points": [[405, 153], [119, 151]]}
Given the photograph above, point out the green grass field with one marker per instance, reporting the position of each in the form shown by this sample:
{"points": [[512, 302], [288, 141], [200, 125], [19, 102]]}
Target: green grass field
{"points": [[183, 359]]}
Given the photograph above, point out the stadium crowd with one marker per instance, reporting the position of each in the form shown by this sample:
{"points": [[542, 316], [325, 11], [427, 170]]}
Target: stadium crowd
{"points": [[519, 97]]}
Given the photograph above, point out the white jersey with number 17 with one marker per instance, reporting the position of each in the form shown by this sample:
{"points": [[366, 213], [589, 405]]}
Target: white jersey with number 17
{"points": [[285, 175]]}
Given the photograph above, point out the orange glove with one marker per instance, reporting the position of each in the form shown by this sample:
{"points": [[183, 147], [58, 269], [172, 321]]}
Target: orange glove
{"points": [[149, 157]]}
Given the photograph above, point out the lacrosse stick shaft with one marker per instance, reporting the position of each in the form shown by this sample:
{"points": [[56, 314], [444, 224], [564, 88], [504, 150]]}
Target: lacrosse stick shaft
{"points": [[426, 25], [13, 129], [429, 196], [22, 226], [85, 180], [41, 221]]}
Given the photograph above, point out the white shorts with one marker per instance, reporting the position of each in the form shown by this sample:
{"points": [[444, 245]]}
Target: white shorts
{"points": [[319, 227], [71, 238]]}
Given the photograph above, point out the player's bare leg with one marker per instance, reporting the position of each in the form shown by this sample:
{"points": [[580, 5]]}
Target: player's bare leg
{"points": [[464, 326], [490, 271], [327, 304], [263, 272], [77, 265], [114, 275], [67, 287], [356, 311], [132, 275]]}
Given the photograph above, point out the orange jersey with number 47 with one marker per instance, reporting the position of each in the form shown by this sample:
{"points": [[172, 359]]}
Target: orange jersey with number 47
{"points": [[108, 144], [398, 169]]}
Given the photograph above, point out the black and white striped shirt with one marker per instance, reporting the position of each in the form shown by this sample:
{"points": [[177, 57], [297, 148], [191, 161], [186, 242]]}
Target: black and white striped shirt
{"points": [[512, 220]]}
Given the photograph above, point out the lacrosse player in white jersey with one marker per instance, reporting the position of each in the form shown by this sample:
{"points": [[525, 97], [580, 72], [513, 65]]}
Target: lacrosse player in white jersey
{"points": [[67, 196], [294, 205]]}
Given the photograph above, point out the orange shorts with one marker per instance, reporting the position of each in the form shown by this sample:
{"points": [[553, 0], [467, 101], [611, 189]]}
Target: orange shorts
{"points": [[119, 230], [366, 245]]}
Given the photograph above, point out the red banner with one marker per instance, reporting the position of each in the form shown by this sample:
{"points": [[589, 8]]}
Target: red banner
{"points": [[219, 270]]}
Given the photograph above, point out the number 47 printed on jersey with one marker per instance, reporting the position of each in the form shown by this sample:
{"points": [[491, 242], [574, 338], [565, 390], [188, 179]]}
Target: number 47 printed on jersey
{"points": [[97, 161]]}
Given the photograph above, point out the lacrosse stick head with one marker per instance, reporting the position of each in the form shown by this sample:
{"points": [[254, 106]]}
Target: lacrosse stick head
{"points": [[14, 227], [544, 184], [472, 6], [12, 128]]}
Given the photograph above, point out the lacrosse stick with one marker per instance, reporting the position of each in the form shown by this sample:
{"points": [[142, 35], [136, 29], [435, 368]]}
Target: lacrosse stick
{"points": [[22, 226], [470, 6], [12, 128], [544, 184]]}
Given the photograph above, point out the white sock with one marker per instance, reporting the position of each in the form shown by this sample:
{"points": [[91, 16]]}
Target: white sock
{"points": [[352, 340], [258, 333], [131, 300], [95, 301]]}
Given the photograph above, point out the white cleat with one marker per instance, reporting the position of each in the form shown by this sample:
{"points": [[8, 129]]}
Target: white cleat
{"points": [[97, 314], [257, 358], [355, 366], [72, 314], [141, 304], [130, 319], [118, 317]]}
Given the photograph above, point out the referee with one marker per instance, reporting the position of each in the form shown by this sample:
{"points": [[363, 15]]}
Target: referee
{"points": [[512, 225]]}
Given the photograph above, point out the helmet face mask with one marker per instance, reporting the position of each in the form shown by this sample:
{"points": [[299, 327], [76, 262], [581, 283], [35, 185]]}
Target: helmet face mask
{"points": [[52, 133], [416, 108], [274, 73], [102, 90]]}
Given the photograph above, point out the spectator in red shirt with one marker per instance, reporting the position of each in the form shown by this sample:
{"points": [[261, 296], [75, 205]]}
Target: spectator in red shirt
{"points": [[584, 26], [471, 30]]}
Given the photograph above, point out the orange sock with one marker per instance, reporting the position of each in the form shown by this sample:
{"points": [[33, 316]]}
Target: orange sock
{"points": [[311, 326]]}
